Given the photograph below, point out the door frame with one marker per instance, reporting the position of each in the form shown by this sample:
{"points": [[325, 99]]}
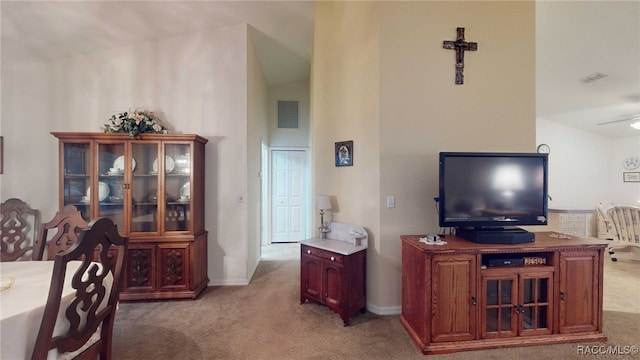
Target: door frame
{"points": [[267, 183]]}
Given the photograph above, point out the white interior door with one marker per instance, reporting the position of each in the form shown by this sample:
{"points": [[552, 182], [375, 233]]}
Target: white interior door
{"points": [[288, 169]]}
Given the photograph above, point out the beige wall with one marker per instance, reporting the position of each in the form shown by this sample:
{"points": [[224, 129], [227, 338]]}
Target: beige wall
{"points": [[579, 154], [381, 77], [257, 132], [345, 106], [198, 83], [291, 91]]}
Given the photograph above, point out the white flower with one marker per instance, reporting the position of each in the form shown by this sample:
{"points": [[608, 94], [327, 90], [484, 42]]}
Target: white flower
{"points": [[133, 123]]}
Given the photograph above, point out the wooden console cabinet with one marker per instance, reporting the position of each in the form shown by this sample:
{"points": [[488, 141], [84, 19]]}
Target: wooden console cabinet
{"points": [[333, 273], [455, 298], [152, 187]]}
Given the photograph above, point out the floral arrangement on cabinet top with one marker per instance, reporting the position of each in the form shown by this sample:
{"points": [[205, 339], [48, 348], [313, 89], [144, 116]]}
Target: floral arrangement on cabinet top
{"points": [[134, 123]]}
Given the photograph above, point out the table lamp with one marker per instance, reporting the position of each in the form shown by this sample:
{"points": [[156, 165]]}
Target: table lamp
{"points": [[323, 203]]}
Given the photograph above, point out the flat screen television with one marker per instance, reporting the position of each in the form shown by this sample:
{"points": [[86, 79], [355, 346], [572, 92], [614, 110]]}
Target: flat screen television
{"points": [[487, 195]]}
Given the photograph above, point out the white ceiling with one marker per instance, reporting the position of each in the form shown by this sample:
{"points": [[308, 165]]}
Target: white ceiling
{"points": [[574, 39], [48, 30]]}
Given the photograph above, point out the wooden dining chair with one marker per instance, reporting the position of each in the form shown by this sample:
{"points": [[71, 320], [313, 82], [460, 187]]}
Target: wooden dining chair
{"points": [[60, 233], [90, 314], [18, 229]]}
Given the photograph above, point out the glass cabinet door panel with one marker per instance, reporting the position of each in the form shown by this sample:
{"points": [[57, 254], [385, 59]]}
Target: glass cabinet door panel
{"points": [[177, 183], [110, 191], [144, 188], [505, 319], [505, 290], [499, 306], [543, 291], [541, 319], [492, 292], [535, 295], [529, 291], [77, 176], [492, 320]]}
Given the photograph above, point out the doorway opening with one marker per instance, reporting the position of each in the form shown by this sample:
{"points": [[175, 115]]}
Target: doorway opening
{"points": [[285, 205]]}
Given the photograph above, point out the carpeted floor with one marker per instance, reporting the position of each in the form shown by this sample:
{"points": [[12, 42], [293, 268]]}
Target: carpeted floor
{"points": [[265, 320]]}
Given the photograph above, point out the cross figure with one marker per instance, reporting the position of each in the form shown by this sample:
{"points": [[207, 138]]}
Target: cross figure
{"points": [[460, 46]]}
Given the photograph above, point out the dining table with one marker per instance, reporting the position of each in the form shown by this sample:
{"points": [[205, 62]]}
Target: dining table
{"points": [[24, 289]]}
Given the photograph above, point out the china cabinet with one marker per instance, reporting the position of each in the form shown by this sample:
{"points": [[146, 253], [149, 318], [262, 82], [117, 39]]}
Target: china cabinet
{"points": [[152, 188], [468, 296]]}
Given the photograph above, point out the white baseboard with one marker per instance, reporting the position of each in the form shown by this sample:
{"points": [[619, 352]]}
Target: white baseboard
{"points": [[385, 310], [229, 282]]}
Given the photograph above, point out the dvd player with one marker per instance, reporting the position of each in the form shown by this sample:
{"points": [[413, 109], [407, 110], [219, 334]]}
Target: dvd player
{"points": [[506, 262]]}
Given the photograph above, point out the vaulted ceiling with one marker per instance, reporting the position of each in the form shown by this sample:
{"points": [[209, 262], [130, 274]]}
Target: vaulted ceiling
{"points": [[48, 30], [575, 40]]}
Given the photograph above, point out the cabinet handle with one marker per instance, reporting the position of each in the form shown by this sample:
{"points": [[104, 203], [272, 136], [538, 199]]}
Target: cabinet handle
{"points": [[516, 309], [474, 301], [308, 251], [333, 258], [562, 295]]}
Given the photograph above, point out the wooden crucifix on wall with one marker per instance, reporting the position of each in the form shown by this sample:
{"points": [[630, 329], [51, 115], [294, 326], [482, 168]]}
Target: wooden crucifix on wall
{"points": [[460, 46]]}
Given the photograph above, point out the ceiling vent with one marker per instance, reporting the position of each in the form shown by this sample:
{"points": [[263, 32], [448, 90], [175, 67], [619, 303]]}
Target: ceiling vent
{"points": [[593, 77]]}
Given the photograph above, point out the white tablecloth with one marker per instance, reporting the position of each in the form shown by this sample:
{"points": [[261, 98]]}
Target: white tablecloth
{"points": [[22, 305]]}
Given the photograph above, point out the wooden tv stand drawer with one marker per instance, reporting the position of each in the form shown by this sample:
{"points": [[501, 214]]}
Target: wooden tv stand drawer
{"points": [[456, 297]]}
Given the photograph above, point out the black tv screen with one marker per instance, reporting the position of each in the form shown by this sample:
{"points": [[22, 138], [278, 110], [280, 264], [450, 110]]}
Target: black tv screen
{"points": [[487, 190]]}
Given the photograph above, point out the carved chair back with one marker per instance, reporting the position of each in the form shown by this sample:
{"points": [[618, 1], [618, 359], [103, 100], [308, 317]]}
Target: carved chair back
{"points": [[18, 228], [60, 233], [90, 314], [626, 222]]}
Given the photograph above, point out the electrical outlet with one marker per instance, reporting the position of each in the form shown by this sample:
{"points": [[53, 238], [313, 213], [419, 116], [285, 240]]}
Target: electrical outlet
{"points": [[391, 202]]}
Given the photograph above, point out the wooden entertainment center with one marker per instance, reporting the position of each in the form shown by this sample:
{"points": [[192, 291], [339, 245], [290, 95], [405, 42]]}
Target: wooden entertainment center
{"points": [[468, 296]]}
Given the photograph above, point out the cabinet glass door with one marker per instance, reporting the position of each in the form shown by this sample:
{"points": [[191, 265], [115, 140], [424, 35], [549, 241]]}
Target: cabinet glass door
{"points": [[109, 192], [500, 300], [535, 311], [77, 177], [144, 187], [177, 184]]}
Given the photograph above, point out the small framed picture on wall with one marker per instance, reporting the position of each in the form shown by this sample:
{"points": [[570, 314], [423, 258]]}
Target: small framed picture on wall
{"points": [[344, 153], [631, 177]]}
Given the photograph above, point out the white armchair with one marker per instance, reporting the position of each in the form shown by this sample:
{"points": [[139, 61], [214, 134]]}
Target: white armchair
{"points": [[626, 239], [604, 224]]}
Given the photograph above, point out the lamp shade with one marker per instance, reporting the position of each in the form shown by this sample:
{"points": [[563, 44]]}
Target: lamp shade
{"points": [[323, 202]]}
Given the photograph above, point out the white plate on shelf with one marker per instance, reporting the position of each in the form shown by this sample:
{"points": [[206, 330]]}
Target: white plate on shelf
{"points": [[183, 164], [103, 191], [169, 164], [119, 163], [186, 190]]}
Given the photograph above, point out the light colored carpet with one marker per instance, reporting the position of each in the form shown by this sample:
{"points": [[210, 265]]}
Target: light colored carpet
{"points": [[265, 320]]}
